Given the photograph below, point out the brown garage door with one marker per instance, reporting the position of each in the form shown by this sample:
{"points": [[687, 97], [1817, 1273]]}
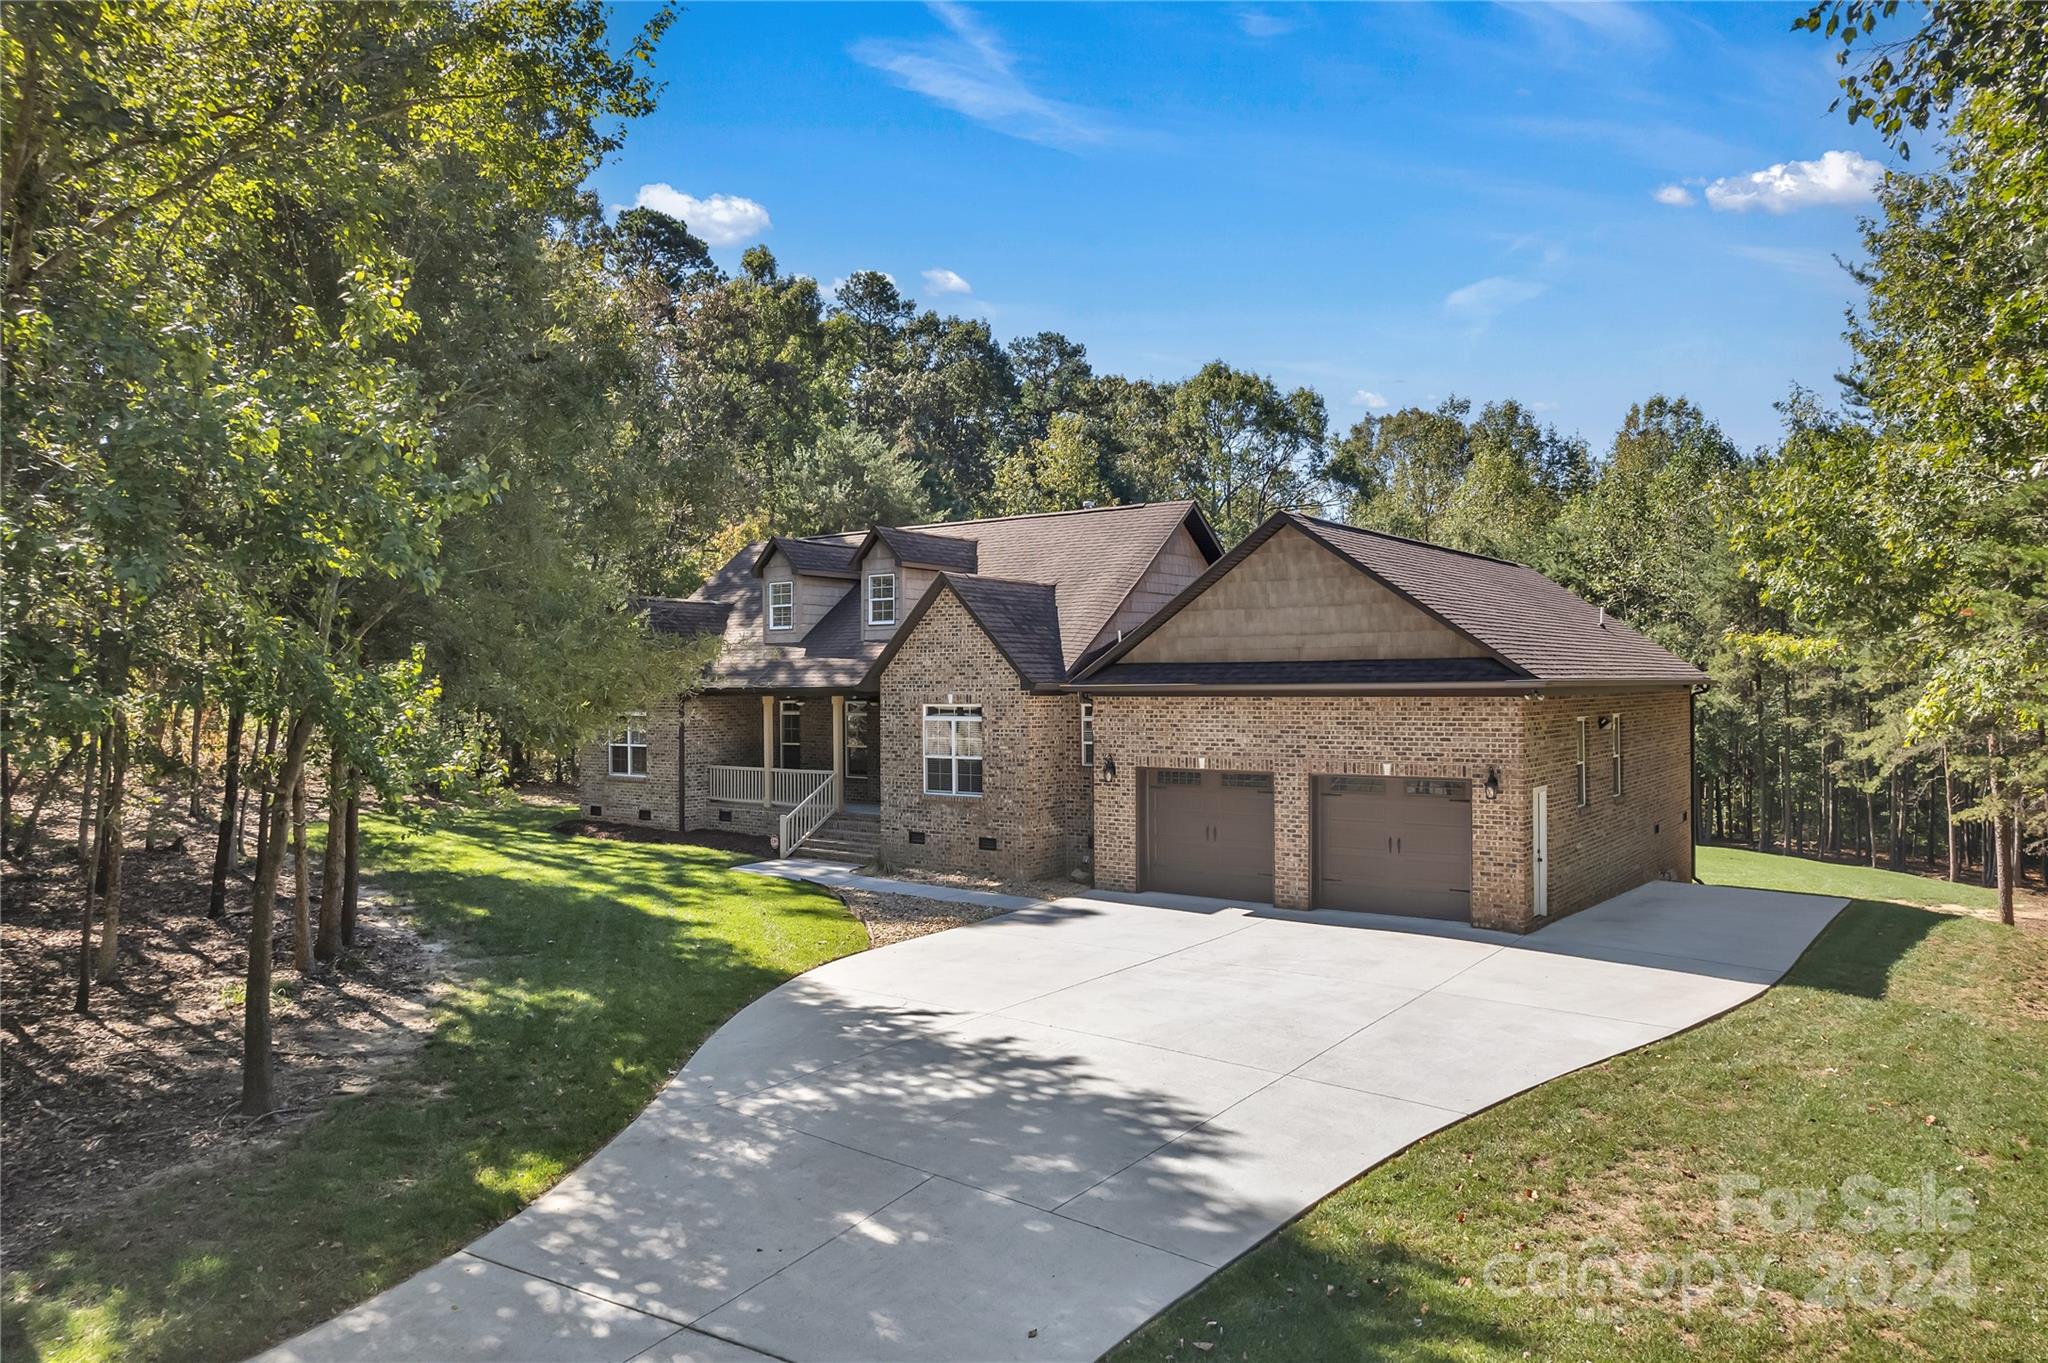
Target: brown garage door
{"points": [[1209, 833], [1394, 845]]}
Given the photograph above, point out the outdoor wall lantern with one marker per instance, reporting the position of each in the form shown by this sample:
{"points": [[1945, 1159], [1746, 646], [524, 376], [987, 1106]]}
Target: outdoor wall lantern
{"points": [[1108, 767], [1493, 783]]}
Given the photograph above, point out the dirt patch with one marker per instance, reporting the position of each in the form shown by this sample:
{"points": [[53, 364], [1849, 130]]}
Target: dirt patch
{"points": [[900, 917], [712, 838], [98, 1105]]}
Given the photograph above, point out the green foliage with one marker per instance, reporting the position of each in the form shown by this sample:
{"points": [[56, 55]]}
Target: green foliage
{"points": [[589, 970]]}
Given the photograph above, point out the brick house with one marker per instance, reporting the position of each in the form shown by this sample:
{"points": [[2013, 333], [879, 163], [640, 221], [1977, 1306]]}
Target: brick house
{"points": [[1325, 717]]}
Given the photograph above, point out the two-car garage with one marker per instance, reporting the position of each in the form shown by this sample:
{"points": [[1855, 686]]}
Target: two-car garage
{"points": [[1379, 844]]}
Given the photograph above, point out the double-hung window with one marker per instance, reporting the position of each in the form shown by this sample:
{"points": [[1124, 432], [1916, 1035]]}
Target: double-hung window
{"points": [[952, 749], [881, 598], [1581, 764], [1614, 750], [782, 605], [629, 746], [792, 735], [1087, 731]]}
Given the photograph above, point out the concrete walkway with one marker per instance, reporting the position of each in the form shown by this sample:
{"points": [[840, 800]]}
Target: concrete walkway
{"points": [[1021, 1139]]}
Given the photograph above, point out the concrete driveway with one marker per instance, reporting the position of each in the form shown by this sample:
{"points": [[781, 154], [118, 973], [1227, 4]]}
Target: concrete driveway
{"points": [[1021, 1139]]}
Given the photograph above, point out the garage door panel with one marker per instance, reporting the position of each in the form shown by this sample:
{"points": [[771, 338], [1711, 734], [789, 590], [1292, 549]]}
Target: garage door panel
{"points": [[1209, 833], [1393, 845]]}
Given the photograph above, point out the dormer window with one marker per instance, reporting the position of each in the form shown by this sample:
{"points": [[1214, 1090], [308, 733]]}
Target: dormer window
{"points": [[782, 605], [881, 598]]}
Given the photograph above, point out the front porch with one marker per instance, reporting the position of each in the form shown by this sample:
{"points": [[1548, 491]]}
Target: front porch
{"points": [[817, 758]]}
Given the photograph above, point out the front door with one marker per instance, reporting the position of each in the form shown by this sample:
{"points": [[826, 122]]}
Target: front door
{"points": [[860, 750]]}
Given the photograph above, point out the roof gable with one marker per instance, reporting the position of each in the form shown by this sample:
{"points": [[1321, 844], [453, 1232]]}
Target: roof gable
{"points": [[1020, 618], [1289, 599], [1510, 613]]}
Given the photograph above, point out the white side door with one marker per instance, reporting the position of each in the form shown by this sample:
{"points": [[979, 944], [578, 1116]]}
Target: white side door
{"points": [[1539, 845]]}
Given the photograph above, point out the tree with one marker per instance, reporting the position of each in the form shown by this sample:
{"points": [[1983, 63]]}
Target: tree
{"points": [[847, 480], [1243, 448]]}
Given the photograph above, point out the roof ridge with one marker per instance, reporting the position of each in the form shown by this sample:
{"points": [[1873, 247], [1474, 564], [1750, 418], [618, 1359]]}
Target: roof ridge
{"points": [[1326, 522], [1048, 515], [951, 574]]}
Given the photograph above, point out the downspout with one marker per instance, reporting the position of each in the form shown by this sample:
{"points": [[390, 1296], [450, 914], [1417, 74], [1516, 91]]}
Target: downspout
{"points": [[1692, 783]]}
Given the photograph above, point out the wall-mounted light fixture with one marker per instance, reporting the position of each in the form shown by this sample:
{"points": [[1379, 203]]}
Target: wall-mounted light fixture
{"points": [[1493, 783], [1108, 767], [1606, 720]]}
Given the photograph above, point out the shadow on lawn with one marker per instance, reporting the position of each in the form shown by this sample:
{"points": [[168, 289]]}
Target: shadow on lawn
{"points": [[588, 973], [1858, 951]]}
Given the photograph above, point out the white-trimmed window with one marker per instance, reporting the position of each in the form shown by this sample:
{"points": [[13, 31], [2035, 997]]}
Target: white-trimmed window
{"points": [[792, 735], [881, 598], [952, 749], [782, 605], [1087, 731], [1581, 764], [629, 746], [1614, 749]]}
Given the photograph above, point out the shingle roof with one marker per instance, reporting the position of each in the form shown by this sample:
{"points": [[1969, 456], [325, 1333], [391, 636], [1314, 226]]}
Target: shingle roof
{"points": [[1531, 624], [818, 555], [676, 615], [1022, 618], [948, 553], [1515, 611], [1253, 676], [1084, 563]]}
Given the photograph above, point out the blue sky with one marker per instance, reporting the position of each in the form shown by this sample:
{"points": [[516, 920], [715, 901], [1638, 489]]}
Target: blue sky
{"points": [[1573, 205]]}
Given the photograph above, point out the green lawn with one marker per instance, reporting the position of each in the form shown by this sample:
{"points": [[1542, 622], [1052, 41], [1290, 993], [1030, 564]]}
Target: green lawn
{"points": [[1733, 866], [589, 970], [1906, 1045]]}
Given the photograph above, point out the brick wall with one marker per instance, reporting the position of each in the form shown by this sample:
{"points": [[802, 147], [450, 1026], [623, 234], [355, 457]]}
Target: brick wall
{"points": [[1298, 737], [721, 731], [1611, 844], [622, 798], [1029, 794]]}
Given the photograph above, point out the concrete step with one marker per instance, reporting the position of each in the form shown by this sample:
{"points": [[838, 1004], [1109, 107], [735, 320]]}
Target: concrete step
{"points": [[820, 846]]}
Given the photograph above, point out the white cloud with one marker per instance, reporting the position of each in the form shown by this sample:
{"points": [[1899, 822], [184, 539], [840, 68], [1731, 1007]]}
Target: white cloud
{"points": [[1365, 397], [1258, 23], [1838, 177], [1677, 196], [973, 73], [1484, 299], [945, 281], [722, 219]]}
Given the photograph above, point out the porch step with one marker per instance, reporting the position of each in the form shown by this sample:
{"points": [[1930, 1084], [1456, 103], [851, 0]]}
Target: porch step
{"points": [[847, 836]]}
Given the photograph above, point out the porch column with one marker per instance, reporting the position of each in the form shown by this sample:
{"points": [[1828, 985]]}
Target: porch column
{"points": [[839, 748], [767, 751]]}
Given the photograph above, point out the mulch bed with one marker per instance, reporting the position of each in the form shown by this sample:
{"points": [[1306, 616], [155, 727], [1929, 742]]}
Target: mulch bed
{"points": [[750, 844], [97, 1105]]}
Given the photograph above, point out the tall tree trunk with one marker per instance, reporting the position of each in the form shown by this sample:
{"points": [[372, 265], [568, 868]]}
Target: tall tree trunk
{"points": [[327, 945], [2004, 833], [258, 1084], [267, 800], [82, 1002], [350, 872], [110, 897], [198, 723], [86, 791], [26, 838], [1948, 809], [230, 799], [302, 923]]}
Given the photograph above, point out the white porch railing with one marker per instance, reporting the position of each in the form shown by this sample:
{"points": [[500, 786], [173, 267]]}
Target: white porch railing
{"points": [[809, 815], [736, 785], [787, 785], [795, 785]]}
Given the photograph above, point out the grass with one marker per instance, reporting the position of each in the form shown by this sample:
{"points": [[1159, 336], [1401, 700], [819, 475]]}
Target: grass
{"points": [[1734, 866], [587, 971], [1907, 1046]]}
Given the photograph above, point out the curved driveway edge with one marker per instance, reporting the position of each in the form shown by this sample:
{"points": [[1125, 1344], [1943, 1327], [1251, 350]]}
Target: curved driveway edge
{"points": [[1023, 1138]]}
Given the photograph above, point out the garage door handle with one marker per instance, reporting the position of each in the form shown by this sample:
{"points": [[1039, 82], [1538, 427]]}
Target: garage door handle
{"points": [[1397, 844]]}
